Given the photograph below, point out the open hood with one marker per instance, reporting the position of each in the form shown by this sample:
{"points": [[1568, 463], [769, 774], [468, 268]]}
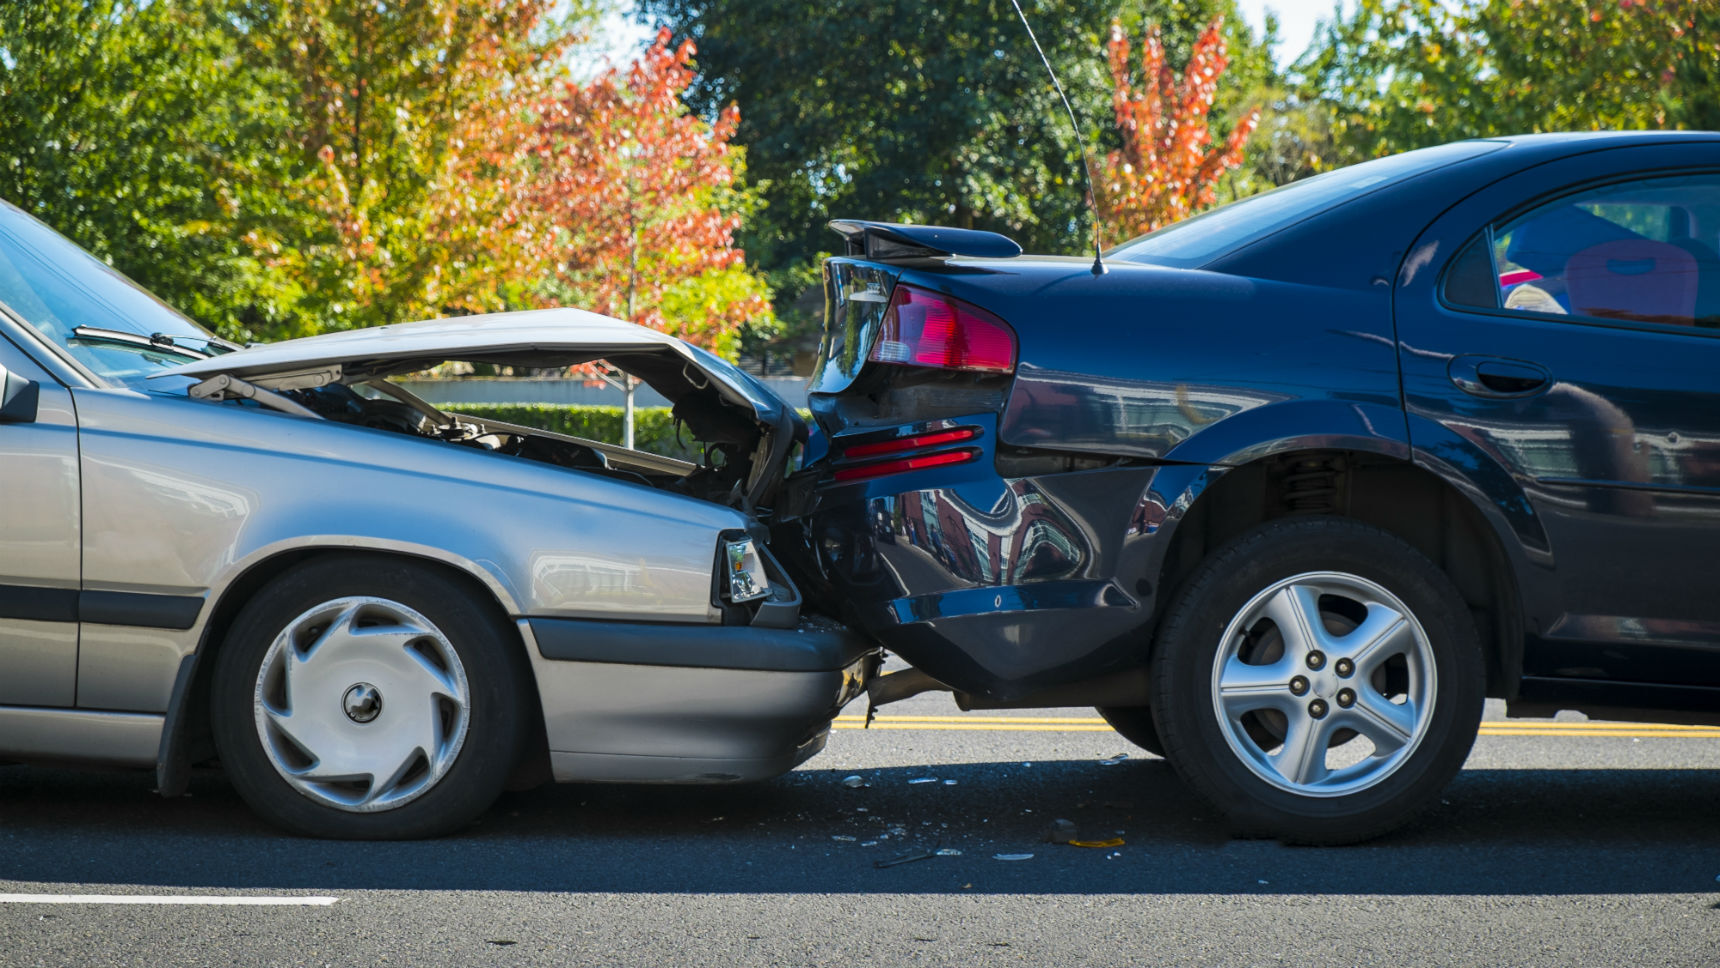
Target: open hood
{"points": [[715, 399], [539, 338]]}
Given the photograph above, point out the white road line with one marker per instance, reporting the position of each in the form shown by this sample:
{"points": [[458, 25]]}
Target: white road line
{"points": [[205, 899]]}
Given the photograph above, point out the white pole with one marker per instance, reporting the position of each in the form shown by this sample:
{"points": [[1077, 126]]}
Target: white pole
{"points": [[627, 424]]}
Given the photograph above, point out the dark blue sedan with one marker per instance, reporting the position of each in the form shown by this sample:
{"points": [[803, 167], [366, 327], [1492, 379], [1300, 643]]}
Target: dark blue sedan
{"points": [[1290, 487]]}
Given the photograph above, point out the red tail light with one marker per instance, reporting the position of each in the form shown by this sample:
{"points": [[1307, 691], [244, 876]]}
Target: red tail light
{"points": [[898, 445], [905, 464], [924, 328]]}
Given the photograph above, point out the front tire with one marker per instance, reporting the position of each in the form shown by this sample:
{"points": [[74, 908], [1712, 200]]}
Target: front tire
{"points": [[1318, 680], [362, 698]]}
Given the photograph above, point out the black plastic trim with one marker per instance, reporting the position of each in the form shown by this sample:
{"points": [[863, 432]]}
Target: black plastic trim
{"points": [[804, 649], [139, 609], [39, 604]]}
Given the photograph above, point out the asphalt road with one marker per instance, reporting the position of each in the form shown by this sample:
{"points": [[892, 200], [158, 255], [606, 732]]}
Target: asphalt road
{"points": [[1560, 844]]}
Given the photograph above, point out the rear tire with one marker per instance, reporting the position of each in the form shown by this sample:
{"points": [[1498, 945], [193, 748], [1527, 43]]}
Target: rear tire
{"points": [[1135, 724], [1318, 680], [365, 698]]}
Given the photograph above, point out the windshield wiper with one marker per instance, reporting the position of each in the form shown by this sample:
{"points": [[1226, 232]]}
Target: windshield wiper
{"points": [[154, 341]]}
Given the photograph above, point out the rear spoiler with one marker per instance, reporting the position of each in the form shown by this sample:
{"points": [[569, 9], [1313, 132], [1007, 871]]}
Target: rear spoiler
{"points": [[887, 241]]}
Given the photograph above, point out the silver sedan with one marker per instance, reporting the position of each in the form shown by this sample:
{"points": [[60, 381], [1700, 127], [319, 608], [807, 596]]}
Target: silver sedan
{"points": [[373, 614]]}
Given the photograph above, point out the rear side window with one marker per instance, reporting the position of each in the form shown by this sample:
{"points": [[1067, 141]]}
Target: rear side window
{"points": [[1645, 251]]}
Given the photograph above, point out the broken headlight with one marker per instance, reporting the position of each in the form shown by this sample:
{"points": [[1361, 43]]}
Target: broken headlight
{"points": [[744, 578]]}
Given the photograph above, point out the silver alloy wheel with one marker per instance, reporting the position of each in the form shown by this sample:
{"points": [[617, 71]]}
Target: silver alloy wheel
{"points": [[1296, 699], [361, 704]]}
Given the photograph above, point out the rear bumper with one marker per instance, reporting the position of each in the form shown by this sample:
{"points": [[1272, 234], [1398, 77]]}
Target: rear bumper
{"points": [[998, 586], [663, 703]]}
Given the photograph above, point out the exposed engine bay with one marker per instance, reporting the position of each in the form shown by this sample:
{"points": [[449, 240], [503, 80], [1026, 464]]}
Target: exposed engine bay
{"points": [[728, 437]]}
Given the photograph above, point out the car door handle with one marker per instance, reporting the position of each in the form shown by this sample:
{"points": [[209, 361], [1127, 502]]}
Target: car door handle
{"points": [[1491, 376]]}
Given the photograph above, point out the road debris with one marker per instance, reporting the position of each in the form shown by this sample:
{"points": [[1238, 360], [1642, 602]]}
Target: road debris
{"points": [[948, 852], [1114, 760], [854, 782], [844, 838], [1011, 856], [1109, 842], [922, 779], [906, 858]]}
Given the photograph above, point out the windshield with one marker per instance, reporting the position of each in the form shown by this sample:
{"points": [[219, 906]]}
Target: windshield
{"points": [[1196, 241], [56, 288]]}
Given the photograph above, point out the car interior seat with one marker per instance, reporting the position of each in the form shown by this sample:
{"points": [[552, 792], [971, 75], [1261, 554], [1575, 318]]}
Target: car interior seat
{"points": [[1679, 225], [1634, 279]]}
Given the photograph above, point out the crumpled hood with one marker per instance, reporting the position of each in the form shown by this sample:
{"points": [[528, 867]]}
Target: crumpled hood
{"points": [[538, 338]]}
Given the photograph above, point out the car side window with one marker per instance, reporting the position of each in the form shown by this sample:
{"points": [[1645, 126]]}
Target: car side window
{"points": [[1644, 251]]}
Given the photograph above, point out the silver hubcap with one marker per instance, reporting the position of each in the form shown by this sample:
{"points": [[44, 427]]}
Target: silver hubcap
{"points": [[362, 704], [1324, 685]]}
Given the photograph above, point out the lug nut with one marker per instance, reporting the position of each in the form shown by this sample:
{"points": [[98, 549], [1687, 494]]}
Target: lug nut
{"points": [[1317, 709], [1316, 659], [1344, 667], [1298, 686], [1346, 698]]}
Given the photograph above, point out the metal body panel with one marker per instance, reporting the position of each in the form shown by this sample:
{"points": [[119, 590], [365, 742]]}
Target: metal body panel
{"points": [[126, 667], [79, 736], [1609, 473], [40, 536], [1286, 343], [573, 334], [182, 496], [614, 721], [40, 663]]}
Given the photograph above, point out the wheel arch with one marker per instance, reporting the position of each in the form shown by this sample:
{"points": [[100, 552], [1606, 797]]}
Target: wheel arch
{"points": [[186, 737], [1408, 500]]}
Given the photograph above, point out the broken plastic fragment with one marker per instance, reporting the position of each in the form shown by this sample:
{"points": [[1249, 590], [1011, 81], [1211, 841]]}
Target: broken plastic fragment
{"points": [[923, 779], [1110, 842], [949, 852], [853, 782], [903, 859], [1114, 760], [1011, 856], [844, 838]]}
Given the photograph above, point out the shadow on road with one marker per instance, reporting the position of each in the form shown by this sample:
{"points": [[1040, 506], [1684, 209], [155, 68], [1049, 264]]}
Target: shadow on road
{"points": [[1498, 832]]}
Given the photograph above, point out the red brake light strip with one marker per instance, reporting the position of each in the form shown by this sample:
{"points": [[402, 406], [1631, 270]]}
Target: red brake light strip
{"points": [[910, 442]]}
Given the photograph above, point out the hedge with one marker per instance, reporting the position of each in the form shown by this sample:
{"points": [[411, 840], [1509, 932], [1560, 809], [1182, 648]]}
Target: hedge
{"points": [[653, 427]]}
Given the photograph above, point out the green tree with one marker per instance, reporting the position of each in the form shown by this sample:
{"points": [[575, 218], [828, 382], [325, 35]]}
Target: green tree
{"points": [[406, 151], [129, 126], [1401, 74], [921, 112]]}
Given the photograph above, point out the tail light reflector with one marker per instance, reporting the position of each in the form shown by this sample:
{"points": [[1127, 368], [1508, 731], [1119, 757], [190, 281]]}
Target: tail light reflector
{"points": [[925, 328], [905, 464], [910, 442]]}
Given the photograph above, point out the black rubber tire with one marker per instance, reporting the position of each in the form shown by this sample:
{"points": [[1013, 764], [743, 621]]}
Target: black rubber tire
{"points": [[1187, 646], [1135, 724], [496, 676]]}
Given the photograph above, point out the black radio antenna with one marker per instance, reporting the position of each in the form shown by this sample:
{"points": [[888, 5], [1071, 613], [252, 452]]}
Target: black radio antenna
{"points": [[1086, 162]]}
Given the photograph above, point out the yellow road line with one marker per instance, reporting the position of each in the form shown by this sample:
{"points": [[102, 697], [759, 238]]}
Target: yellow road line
{"points": [[1082, 724]]}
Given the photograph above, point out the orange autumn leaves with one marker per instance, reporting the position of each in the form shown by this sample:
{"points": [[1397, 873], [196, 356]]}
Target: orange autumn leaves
{"points": [[640, 201], [1168, 167], [451, 166]]}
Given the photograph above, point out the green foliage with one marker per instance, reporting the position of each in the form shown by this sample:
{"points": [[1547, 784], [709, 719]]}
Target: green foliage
{"points": [[653, 429], [126, 125], [1402, 74], [921, 112]]}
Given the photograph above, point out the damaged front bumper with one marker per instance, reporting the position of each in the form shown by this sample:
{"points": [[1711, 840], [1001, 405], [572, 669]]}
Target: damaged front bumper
{"points": [[637, 702]]}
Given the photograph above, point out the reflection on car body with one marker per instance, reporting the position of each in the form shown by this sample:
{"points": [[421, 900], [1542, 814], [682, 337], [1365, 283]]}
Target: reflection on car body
{"points": [[1319, 469], [375, 614]]}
